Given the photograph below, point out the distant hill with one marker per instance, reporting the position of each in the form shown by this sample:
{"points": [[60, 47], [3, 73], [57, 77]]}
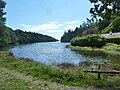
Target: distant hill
{"points": [[8, 36], [30, 37]]}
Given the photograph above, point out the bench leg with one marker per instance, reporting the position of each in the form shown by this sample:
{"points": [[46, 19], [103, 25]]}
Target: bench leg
{"points": [[98, 75]]}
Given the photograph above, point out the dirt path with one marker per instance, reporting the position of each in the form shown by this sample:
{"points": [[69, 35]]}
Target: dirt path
{"points": [[33, 83]]}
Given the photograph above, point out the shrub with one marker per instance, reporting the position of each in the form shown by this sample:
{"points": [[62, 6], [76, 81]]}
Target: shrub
{"points": [[113, 40], [93, 40]]}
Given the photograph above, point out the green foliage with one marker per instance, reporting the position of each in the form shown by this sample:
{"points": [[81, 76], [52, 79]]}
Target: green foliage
{"points": [[115, 40], [103, 24], [67, 36], [7, 36], [114, 26], [12, 37], [89, 40], [2, 13], [29, 37], [105, 9], [80, 48]]}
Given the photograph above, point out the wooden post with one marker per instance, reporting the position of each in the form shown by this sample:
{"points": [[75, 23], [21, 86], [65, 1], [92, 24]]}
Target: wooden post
{"points": [[108, 72], [99, 73]]}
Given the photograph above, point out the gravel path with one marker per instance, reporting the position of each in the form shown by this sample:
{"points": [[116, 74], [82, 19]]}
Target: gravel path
{"points": [[112, 35]]}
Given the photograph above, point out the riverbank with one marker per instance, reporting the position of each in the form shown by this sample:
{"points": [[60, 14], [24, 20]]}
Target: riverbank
{"points": [[109, 46], [38, 71]]}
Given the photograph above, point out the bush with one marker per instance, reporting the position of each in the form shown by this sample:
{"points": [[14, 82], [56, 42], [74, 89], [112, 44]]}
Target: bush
{"points": [[114, 26], [93, 40], [113, 40]]}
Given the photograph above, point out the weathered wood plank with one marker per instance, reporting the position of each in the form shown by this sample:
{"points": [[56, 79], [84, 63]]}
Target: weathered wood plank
{"points": [[110, 72], [99, 72]]}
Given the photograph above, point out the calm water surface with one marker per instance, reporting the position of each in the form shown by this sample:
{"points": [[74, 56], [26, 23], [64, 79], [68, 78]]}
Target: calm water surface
{"points": [[54, 53]]}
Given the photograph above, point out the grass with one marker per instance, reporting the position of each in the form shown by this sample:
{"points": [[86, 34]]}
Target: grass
{"points": [[64, 76], [112, 46], [10, 82]]}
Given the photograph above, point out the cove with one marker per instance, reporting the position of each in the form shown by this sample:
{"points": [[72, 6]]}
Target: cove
{"points": [[57, 53]]}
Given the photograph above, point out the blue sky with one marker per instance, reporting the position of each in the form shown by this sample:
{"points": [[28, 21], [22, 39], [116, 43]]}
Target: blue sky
{"points": [[50, 17]]}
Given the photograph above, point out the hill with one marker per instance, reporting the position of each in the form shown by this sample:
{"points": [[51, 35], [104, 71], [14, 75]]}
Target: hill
{"points": [[8, 36]]}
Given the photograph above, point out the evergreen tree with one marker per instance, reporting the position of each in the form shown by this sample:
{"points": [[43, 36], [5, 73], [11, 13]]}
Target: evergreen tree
{"points": [[105, 9], [2, 13]]}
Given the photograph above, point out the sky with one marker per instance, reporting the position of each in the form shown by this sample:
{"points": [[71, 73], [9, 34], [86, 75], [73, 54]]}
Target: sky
{"points": [[49, 17]]}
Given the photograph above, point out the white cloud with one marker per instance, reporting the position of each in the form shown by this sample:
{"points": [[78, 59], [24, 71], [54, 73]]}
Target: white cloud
{"points": [[47, 26], [71, 27], [54, 31], [73, 22]]}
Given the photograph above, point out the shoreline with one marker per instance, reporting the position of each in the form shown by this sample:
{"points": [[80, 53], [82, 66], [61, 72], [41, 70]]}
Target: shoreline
{"points": [[80, 48]]}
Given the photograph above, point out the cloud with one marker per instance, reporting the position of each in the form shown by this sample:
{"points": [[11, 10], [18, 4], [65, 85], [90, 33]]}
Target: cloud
{"points": [[47, 26], [73, 22], [72, 25], [54, 31], [51, 27]]}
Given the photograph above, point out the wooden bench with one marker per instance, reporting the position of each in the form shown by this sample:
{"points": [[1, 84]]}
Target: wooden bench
{"points": [[99, 72]]}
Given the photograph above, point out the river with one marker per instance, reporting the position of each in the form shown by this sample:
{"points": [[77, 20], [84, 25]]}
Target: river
{"points": [[57, 53]]}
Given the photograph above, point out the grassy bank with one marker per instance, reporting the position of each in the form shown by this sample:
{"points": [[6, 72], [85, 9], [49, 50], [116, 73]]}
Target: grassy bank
{"points": [[108, 46], [64, 76]]}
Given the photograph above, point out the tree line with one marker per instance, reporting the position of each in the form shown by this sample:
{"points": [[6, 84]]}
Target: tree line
{"points": [[8, 36]]}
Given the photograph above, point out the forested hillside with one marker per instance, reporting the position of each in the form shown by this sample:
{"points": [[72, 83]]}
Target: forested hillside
{"points": [[105, 18], [8, 36], [12, 37]]}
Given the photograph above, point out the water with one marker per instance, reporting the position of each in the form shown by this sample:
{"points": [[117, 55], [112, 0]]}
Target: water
{"points": [[54, 53], [48, 53]]}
